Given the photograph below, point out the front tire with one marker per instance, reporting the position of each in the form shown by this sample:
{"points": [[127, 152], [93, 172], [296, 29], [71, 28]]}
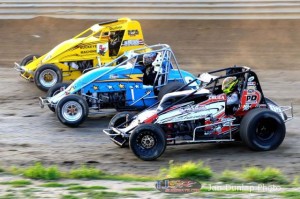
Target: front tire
{"points": [[28, 59], [72, 110], [148, 141], [262, 129], [54, 90], [116, 121], [47, 76]]}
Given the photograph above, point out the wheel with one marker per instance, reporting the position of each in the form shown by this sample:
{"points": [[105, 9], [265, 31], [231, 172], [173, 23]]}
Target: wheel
{"points": [[262, 129], [170, 87], [72, 110], [28, 59], [54, 90], [47, 76], [116, 121], [275, 106], [148, 141]]}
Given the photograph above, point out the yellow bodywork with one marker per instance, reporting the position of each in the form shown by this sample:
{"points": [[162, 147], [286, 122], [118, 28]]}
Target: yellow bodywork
{"points": [[99, 44]]}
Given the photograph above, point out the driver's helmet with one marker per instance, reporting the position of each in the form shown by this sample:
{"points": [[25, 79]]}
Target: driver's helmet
{"points": [[229, 84], [148, 59]]}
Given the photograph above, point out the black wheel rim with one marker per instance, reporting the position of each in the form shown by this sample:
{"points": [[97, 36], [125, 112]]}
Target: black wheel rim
{"points": [[266, 129], [146, 143]]}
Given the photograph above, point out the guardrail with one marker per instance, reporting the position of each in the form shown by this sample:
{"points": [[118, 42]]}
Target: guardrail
{"points": [[151, 9]]}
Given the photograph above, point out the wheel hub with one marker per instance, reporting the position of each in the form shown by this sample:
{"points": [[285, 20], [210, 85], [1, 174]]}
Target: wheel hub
{"points": [[48, 77], [147, 141]]}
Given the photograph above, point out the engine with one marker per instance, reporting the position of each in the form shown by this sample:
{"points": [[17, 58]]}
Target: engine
{"points": [[80, 65], [105, 100]]}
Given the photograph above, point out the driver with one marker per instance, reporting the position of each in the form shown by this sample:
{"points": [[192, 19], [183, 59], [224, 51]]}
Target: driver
{"points": [[149, 72], [229, 87]]}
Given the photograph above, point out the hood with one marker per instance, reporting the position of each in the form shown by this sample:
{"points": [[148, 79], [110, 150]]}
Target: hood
{"points": [[62, 47], [98, 74]]}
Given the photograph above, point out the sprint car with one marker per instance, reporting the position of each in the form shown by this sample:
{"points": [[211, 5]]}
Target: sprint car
{"points": [[99, 44], [203, 115], [117, 85]]}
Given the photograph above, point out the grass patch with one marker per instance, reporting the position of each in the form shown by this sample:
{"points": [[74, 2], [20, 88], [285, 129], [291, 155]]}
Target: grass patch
{"points": [[291, 194], [17, 183], [9, 196], [230, 176], [82, 188], [267, 175], [108, 194], [191, 170], [1, 170], [69, 197], [53, 184], [140, 189], [38, 171], [85, 172]]}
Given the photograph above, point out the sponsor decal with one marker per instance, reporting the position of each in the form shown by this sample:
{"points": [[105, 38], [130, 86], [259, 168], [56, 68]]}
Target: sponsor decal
{"points": [[218, 97], [87, 46], [102, 48], [250, 79], [115, 28], [251, 83], [251, 99], [250, 90], [177, 186], [88, 51], [113, 76], [133, 42], [133, 32], [110, 87]]}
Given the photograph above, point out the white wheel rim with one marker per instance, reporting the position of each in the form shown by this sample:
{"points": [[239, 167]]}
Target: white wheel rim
{"points": [[48, 78], [72, 111]]}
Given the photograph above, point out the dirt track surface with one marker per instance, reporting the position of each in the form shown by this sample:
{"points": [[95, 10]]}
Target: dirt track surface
{"points": [[29, 134]]}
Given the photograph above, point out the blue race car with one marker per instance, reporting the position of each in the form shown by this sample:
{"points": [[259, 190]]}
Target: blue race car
{"points": [[132, 82]]}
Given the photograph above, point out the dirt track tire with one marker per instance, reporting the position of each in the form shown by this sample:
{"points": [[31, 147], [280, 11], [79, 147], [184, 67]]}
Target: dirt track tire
{"points": [[262, 129], [72, 110], [148, 142], [54, 90], [171, 87], [47, 76], [117, 120], [28, 59]]}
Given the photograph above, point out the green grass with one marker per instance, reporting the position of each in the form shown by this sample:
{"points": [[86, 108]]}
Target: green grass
{"points": [[268, 175], [140, 189], [82, 188], [230, 176], [69, 197], [17, 183], [9, 196], [85, 172], [291, 194], [53, 184], [108, 194], [196, 171], [38, 171]]}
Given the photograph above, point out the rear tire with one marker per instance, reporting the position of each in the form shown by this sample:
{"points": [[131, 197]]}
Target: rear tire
{"points": [[47, 76], [170, 87], [116, 121], [54, 90], [262, 129], [72, 110], [148, 141]]}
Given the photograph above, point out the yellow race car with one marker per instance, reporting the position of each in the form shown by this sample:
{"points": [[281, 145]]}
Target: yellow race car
{"points": [[93, 47]]}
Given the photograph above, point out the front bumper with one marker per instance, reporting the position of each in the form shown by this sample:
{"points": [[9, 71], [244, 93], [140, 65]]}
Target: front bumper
{"points": [[43, 102], [26, 74]]}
